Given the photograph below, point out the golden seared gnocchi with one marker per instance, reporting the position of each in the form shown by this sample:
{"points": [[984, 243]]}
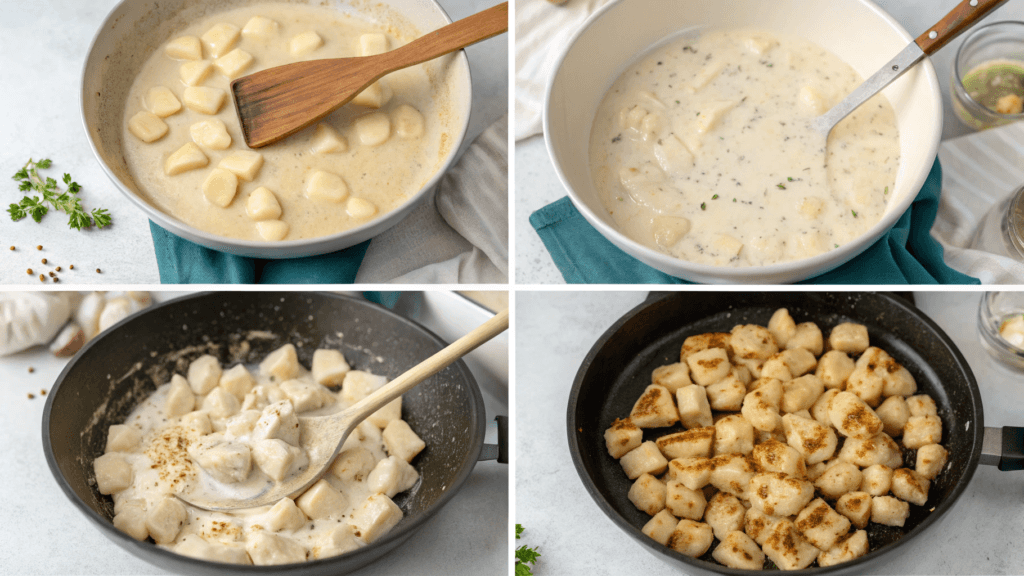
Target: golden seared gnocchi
{"points": [[779, 442]]}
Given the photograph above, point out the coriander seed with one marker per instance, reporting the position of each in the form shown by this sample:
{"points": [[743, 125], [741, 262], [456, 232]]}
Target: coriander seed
{"points": [[40, 247], [44, 260], [98, 271], [31, 369], [42, 278], [12, 248], [55, 279], [31, 396], [57, 268], [29, 271], [72, 267]]}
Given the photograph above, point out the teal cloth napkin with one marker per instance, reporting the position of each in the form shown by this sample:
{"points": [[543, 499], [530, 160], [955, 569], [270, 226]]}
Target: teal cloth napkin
{"points": [[907, 254], [184, 262]]}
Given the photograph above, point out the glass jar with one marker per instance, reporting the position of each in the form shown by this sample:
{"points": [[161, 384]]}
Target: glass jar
{"points": [[1000, 44], [996, 310], [1001, 231]]}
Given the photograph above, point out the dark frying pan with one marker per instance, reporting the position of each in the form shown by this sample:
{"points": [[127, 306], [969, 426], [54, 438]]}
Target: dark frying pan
{"points": [[618, 368], [116, 371]]}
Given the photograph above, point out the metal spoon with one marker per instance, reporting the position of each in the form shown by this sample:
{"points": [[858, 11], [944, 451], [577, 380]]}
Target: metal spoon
{"points": [[961, 18], [323, 436]]}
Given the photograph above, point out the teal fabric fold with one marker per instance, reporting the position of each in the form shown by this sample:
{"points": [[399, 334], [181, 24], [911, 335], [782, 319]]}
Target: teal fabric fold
{"points": [[184, 262], [907, 254]]}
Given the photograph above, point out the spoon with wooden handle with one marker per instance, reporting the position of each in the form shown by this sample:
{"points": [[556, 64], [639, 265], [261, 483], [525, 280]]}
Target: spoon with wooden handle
{"points": [[278, 102], [959, 20], [323, 436]]}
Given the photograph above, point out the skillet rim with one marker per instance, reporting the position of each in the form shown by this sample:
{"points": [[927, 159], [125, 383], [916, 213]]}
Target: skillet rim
{"points": [[366, 554], [668, 554]]}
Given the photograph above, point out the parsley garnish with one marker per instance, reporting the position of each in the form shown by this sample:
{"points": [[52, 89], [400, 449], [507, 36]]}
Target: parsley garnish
{"points": [[703, 205], [854, 213], [790, 178], [526, 557], [781, 186], [68, 202], [886, 190], [715, 197]]}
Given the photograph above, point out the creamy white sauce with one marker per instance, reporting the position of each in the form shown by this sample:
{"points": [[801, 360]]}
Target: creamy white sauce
{"points": [[701, 150], [384, 175]]}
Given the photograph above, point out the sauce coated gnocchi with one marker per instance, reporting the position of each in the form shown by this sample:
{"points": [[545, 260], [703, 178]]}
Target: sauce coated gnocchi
{"points": [[185, 148], [240, 427], [701, 150], [786, 454]]}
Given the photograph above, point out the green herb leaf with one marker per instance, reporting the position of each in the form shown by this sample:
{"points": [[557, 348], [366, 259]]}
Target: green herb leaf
{"points": [[886, 190], [703, 205], [715, 197], [66, 201], [854, 213], [526, 557], [781, 186]]}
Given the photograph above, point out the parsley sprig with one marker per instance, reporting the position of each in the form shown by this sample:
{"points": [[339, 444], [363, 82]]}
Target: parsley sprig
{"points": [[66, 201], [526, 557]]}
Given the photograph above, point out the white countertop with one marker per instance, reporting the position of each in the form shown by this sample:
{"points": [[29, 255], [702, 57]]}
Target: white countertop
{"points": [[42, 533], [43, 45], [555, 331], [537, 184]]}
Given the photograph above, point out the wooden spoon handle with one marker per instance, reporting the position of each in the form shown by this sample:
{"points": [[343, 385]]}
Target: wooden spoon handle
{"points": [[413, 376], [965, 15], [455, 36]]}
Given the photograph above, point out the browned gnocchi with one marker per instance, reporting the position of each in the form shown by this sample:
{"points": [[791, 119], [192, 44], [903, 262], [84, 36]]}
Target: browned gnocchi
{"points": [[778, 445]]}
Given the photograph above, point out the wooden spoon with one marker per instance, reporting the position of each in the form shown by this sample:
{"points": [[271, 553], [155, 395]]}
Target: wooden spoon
{"points": [[278, 102], [961, 18], [323, 436]]}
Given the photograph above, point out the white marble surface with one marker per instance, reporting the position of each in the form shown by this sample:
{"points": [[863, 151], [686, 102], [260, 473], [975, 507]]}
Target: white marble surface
{"points": [[43, 44], [537, 184], [42, 533], [554, 332]]}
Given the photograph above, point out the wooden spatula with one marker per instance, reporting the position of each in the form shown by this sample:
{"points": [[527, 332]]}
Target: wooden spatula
{"points": [[278, 102]]}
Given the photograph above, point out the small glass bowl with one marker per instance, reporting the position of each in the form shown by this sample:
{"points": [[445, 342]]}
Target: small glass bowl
{"points": [[997, 308], [999, 41]]}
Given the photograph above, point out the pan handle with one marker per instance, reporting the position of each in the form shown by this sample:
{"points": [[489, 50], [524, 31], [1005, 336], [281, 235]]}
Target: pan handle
{"points": [[1003, 447], [498, 451]]}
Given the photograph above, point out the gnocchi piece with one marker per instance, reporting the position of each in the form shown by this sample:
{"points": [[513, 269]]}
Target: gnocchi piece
{"points": [[240, 424], [834, 367], [877, 479], [711, 115], [329, 367], [811, 207], [686, 444], [122, 438], [819, 410], [391, 476], [894, 414], [180, 400], [272, 230], [821, 525], [921, 431], [354, 464], [731, 473], [654, 409], [856, 506], [278, 421], [849, 337], [147, 126], [220, 39], [672, 376], [305, 43], [644, 459], [184, 48], [787, 547], [693, 472], [211, 133], [817, 443], [661, 526], [880, 449], [621, 437], [812, 102], [245, 164], [275, 457], [358, 385], [673, 156], [408, 122], [359, 208], [733, 435], [776, 494], [113, 473], [782, 327], [373, 44], [267, 549], [694, 409], [263, 205], [839, 478], [165, 519], [774, 456], [390, 411], [808, 337], [910, 486], [750, 341], [326, 140], [799, 361], [922, 405], [889, 511], [847, 548], [221, 404], [1010, 104], [726, 394], [401, 441], [800, 394], [195, 73], [724, 513], [220, 187], [260, 28], [931, 459], [326, 187], [759, 409], [699, 342], [203, 99], [376, 517], [234, 63], [323, 501], [285, 515], [305, 395], [759, 44], [373, 129], [337, 541], [227, 462], [691, 538], [758, 525], [708, 366], [162, 102], [852, 417], [282, 364], [729, 246], [648, 494], [375, 95], [131, 519], [668, 230], [684, 502]]}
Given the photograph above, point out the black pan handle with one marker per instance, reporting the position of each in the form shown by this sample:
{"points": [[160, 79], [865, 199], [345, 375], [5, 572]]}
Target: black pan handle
{"points": [[1003, 447], [498, 451]]}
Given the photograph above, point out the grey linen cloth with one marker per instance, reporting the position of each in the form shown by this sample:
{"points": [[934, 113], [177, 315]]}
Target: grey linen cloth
{"points": [[460, 234]]}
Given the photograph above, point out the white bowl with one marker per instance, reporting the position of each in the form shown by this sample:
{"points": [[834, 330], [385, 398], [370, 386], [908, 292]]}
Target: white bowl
{"points": [[857, 31], [135, 28]]}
